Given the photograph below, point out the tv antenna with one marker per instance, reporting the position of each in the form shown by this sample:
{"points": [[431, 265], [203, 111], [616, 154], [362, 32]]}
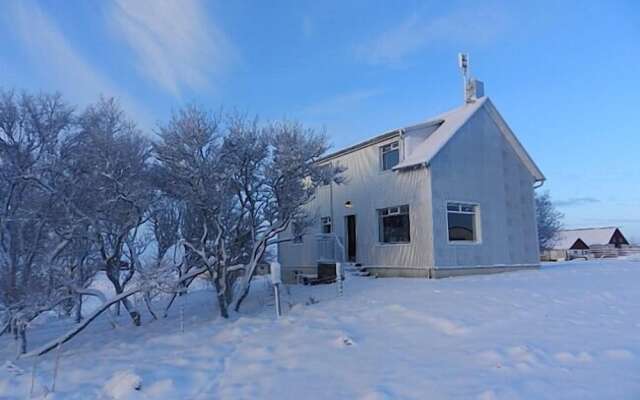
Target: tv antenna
{"points": [[463, 63]]}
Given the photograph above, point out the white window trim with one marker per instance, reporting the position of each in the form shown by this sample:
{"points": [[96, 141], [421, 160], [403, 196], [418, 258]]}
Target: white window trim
{"points": [[323, 224], [381, 159], [477, 224], [379, 217]]}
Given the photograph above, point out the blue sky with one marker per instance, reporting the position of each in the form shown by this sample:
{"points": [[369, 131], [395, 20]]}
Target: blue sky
{"points": [[565, 75]]}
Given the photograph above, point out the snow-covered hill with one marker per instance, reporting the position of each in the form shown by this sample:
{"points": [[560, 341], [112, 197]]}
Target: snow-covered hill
{"points": [[567, 331]]}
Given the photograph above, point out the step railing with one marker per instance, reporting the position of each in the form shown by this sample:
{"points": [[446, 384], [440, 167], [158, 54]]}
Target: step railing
{"points": [[329, 248]]}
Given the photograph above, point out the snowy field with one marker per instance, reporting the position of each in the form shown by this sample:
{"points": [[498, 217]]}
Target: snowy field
{"points": [[567, 331]]}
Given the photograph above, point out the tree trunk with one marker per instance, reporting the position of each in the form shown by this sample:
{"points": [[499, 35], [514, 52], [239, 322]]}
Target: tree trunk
{"points": [[133, 313], [22, 336], [79, 328], [222, 300], [14, 328], [147, 302], [78, 316], [185, 281], [6, 328]]}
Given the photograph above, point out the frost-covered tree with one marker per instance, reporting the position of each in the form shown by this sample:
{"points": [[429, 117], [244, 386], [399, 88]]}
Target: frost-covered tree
{"points": [[285, 181], [241, 185], [30, 130], [106, 186], [549, 220]]}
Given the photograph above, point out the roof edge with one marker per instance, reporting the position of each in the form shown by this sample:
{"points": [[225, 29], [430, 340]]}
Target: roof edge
{"points": [[514, 141], [377, 139], [480, 103]]}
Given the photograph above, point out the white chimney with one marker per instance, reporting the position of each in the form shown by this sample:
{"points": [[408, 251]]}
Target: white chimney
{"points": [[475, 90]]}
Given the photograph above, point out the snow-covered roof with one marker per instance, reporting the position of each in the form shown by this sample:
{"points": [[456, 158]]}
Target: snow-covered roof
{"points": [[590, 236], [425, 140], [447, 125], [450, 123]]}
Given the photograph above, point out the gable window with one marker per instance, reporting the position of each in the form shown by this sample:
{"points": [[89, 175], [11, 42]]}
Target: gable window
{"points": [[393, 224], [390, 155], [325, 223], [463, 222]]}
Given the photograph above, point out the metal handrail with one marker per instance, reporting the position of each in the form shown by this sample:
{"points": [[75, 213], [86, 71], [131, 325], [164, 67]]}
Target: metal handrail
{"points": [[338, 247]]}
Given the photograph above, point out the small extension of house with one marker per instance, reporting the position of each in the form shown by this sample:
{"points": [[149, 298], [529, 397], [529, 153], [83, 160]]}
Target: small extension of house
{"points": [[450, 196]]}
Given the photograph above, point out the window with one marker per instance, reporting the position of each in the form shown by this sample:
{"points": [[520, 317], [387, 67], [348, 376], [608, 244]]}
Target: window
{"points": [[390, 155], [297, 230], [394, 224], [462, 220], [325, 223]]}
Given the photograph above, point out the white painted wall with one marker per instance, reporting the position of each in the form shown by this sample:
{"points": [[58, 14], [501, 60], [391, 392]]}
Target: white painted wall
{"points": [[479, 166], [369, 189]]}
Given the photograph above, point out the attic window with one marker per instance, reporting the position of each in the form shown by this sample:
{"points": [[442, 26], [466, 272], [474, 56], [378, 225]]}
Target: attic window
{"points": [[463, 222], [390, 155]]}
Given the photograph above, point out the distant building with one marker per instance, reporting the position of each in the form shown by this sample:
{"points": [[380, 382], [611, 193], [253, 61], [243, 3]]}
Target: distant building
{"points": [[585, 242]]}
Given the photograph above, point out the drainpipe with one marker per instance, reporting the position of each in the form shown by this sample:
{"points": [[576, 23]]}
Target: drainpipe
{"points": [[331, 203], [402, 148], [333, 230]]}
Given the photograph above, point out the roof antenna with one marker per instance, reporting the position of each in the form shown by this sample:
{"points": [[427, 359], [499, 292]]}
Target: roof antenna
{"points": [[463, 63], [473, 88]]}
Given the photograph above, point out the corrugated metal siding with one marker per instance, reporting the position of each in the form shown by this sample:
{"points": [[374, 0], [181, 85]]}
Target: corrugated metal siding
{"points": [[479, 166], [370, 189]]}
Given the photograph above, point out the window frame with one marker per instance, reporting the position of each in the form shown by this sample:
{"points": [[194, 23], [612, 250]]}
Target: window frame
{"points": [[382, 152], [398, 211], [297, 238], [477, 224], [326, 221]]}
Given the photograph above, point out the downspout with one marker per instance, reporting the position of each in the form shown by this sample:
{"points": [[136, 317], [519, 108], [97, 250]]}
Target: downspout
{"points": [[333, 230], [538, 184], [402, 136], [331, 203]]}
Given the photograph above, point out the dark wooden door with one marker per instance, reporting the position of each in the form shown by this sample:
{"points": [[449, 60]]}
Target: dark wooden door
{"points": [[351, 237]]}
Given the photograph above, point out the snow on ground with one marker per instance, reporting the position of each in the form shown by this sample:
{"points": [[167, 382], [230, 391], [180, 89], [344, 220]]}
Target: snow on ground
{"points": [[567, 331]]}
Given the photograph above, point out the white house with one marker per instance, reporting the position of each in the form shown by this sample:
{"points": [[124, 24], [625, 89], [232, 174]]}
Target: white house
{"points": [[449, 196]]}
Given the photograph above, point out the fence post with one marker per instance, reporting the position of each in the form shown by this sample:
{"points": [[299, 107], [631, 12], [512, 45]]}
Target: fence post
{"points": [[339, 278], [276, 279]]}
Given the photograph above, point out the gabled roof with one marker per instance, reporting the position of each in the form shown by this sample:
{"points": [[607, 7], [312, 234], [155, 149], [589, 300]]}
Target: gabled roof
{"points": [[425, 140], [590, 236], [448, 124], [451, 122]]}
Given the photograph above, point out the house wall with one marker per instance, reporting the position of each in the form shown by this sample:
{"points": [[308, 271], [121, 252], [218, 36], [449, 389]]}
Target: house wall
{"points": [[479, 166], [369, 189]]}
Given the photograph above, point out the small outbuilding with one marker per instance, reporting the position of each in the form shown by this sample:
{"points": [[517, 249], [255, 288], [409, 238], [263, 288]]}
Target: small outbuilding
{"points": [[586, 242]]}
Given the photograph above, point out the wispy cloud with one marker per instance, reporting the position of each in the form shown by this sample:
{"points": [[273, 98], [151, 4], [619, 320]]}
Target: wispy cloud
{"points": [[340, 102], [176, 46], [576, 201], [469, 25], [63, 66]]}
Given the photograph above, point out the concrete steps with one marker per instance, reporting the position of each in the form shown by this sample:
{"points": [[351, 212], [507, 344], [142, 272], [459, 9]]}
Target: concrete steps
{"points": [[355, 269]]}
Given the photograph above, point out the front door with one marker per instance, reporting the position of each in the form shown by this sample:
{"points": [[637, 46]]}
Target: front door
{"points": [[350, 224]]}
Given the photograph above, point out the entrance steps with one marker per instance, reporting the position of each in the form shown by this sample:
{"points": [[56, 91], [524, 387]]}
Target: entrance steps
{"points": [[355, 269]]}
